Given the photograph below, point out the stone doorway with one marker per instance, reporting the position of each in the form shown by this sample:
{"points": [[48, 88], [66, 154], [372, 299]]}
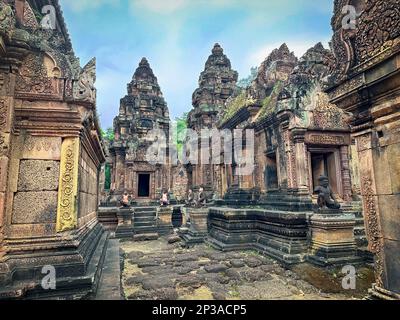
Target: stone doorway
{"points": [[326, 163], [143, 185], [271, 173]]}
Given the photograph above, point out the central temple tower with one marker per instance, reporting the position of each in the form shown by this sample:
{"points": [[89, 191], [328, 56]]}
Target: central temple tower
{"points": [[141, 110]]}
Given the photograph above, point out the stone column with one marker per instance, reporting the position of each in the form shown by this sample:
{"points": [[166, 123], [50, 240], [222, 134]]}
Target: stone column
{"points": [[7, 84], [120, 171], [300, 161], [380, 176], [290, 160], [346, 178]]}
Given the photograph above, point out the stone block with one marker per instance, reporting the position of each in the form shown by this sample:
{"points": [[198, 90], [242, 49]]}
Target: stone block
{"points": [[383, 177], [3, 173], [389, 215], [392, 262], [393, 156], [42, 148], [35, 207], [2, 209], [333, 241], [38, 175]]}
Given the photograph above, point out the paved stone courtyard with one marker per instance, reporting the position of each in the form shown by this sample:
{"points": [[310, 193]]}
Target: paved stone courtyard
{"points": [[161, 271]]}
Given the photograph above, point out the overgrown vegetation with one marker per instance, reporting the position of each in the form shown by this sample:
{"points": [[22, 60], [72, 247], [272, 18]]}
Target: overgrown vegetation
{"points": [[269, 103], [241, 101]]}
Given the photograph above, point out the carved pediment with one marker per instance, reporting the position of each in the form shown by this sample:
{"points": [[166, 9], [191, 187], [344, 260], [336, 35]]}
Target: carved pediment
{"points": [[327, 115], [84, 89], [36, 78]]}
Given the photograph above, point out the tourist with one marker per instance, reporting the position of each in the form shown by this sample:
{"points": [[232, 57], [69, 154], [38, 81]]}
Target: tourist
{"points": [[125, 202], [164, 201]]}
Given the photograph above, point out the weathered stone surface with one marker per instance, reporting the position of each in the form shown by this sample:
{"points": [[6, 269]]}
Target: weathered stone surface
{"points": [[35, 207], [37, 175], [148, 263], [233, 283], [186, 257], [174, 238], [182, 270], [158, 283], [237, 263], [216, 268], [159, 294], [135, 255], [137, 279], [191, 281], [233, 274], [253, 262]]}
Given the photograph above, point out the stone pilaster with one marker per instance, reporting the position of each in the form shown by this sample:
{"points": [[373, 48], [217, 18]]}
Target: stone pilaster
{"points": [[67, 214], [7, 85], [300, 161], [346, 177]]}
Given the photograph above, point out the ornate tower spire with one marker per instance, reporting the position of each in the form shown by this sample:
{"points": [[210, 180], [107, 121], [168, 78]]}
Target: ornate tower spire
{"points": [[216, 83]]}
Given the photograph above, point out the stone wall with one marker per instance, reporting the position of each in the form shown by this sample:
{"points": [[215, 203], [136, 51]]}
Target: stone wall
{"points": [[179, 183], [88, 186]]}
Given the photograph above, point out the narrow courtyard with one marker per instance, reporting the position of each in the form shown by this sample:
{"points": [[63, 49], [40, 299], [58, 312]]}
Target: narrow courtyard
{"points": [[163, 271]]}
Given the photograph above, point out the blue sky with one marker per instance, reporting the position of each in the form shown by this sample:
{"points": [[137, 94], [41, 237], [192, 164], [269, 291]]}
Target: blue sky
{"points": [[177, 37]]}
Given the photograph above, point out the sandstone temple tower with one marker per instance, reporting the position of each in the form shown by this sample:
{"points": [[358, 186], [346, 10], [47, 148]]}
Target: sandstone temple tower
{"points": [[216, 84], [143, 109]]}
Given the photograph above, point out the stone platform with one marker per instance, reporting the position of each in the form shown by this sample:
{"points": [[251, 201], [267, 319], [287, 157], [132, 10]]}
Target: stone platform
{"points": [[278, 234], [195, 230], [76, 277], [333, 241]]}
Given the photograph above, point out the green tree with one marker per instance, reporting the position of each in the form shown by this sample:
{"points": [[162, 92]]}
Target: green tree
{"points": [[179, 132], [108, 134]]}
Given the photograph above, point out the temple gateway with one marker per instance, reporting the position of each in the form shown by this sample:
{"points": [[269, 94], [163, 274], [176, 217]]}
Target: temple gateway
{"points": [[320, 133]]}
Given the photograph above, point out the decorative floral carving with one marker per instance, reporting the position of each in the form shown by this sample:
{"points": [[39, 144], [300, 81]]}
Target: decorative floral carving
{"points": [[378, 24], [84, 89], [33, 80], [372, 226], [39, 145], [377, 27], [29, 19], [3, 114], [68, 186], [327, 115]]}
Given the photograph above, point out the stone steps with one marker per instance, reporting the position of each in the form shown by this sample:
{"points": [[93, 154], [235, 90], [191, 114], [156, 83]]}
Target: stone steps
{"points": [[145, 223]]}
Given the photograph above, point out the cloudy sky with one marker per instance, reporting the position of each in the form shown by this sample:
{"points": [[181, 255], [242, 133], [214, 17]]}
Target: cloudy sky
{"points": [[177, 37]]}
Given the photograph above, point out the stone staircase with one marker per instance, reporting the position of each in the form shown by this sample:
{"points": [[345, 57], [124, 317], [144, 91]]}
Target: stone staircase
{"points": [[145, 223]]}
